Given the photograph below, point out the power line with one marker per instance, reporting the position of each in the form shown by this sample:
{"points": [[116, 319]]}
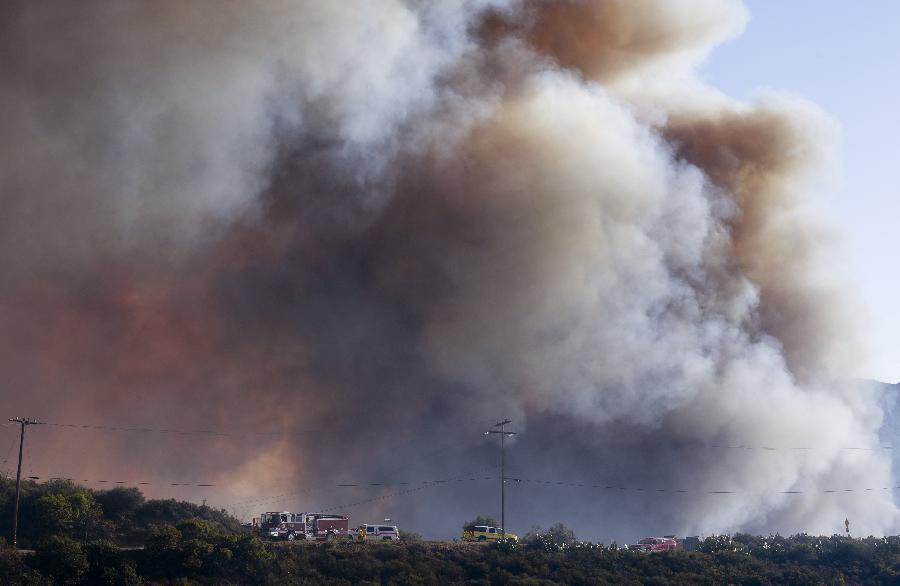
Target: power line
{"points": [[298, 433], [119, 482], [29, 459], [12, 444], [417, 484], [207, 432], [471, 478], [410, 463], [320, 487], [265, 498], [357, 484], [777, 448], [402, 484], [219, 433], [247, 504], [650, 490], [364, 484]]}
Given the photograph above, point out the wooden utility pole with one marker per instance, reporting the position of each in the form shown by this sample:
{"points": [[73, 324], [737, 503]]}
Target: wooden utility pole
{"points": [[22, 421], [503, 433]]}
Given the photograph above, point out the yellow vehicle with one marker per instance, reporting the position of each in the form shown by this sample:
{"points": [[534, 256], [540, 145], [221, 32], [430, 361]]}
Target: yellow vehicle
{"points": [[486, 533]]}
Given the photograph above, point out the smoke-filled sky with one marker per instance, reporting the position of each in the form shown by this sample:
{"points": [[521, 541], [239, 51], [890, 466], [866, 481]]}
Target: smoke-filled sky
{"points": [[350, 236], [794, 46]]}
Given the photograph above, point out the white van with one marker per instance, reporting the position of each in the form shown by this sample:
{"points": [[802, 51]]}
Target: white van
{"points": [[378, 532]]}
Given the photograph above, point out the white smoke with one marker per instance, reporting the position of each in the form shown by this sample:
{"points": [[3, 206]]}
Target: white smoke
{"points": [[440, 210]]}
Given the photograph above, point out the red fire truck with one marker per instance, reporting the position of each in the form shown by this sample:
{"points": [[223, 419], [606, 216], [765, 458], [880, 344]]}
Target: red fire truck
{"points": [[291, 526]]}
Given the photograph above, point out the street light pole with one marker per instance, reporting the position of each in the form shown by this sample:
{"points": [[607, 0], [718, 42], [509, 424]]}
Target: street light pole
{"points": [[503, 433], [22, 421]]}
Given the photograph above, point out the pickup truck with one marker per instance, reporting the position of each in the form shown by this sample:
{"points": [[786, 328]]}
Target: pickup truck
{"points": [[486, 533]]}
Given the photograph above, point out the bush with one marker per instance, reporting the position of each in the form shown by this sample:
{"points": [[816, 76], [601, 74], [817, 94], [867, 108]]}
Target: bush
{"points": [[110, 565], [198, 549], [120, 503], [13, 570], [62, 559], [410, 536], [506, 545], [479, 520], [557, 538]]}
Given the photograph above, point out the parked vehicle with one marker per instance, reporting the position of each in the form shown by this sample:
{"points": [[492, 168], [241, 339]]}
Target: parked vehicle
{"points": [[282, 525], [486, 533], [378, 532], [655, 544], [290, 526], [319, 526]]}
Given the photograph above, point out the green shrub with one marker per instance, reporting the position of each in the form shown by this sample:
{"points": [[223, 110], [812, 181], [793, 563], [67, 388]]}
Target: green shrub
{"points": [[62, 559]]}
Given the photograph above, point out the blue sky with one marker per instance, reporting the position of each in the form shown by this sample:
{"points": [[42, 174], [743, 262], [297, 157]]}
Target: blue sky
{"points": [[845, 56]]}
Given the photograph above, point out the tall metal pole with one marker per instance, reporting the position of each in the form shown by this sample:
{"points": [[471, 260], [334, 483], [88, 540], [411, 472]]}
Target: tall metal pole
{"points": [[22, 421], [503, 433], [502, 484]]}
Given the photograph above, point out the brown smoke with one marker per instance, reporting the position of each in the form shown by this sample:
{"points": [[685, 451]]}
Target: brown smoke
{"points": [[605, 39], [367, 230], [757, 156]]}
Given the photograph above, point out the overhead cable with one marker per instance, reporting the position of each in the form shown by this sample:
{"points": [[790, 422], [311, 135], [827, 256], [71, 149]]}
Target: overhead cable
{"points": [[620, 488]]}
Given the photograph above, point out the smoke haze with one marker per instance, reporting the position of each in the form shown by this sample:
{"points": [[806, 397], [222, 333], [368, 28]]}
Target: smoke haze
{"points": [[370, 229]]}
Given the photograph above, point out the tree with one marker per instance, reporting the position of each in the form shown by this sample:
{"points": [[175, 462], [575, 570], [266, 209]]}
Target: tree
{"points": [[410, 536], [558, 534], [86, 513], [109, 565], [62, 559], [162, 555], [52, 514], [557, 538], [171, 512], [12, 566], [120, 503], [251, 557], [479, 520], [561, 535], [72, 514]]}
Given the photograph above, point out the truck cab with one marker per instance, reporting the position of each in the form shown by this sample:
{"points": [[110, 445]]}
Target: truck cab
{"points": [[283, 525]]}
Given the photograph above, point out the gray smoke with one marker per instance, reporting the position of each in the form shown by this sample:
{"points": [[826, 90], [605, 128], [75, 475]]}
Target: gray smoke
{"points": [[380, 225]]}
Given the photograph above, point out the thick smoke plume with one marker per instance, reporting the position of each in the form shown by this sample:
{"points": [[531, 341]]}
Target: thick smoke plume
{"points": [[363, 230]]}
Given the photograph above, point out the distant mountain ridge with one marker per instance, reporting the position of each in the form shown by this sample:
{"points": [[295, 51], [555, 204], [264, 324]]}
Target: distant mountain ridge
{"points": [[889, 434]]}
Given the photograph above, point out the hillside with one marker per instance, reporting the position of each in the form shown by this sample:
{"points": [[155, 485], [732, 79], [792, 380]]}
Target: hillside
{"points": [[195, 553], [120, 515], [75, 531]]}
